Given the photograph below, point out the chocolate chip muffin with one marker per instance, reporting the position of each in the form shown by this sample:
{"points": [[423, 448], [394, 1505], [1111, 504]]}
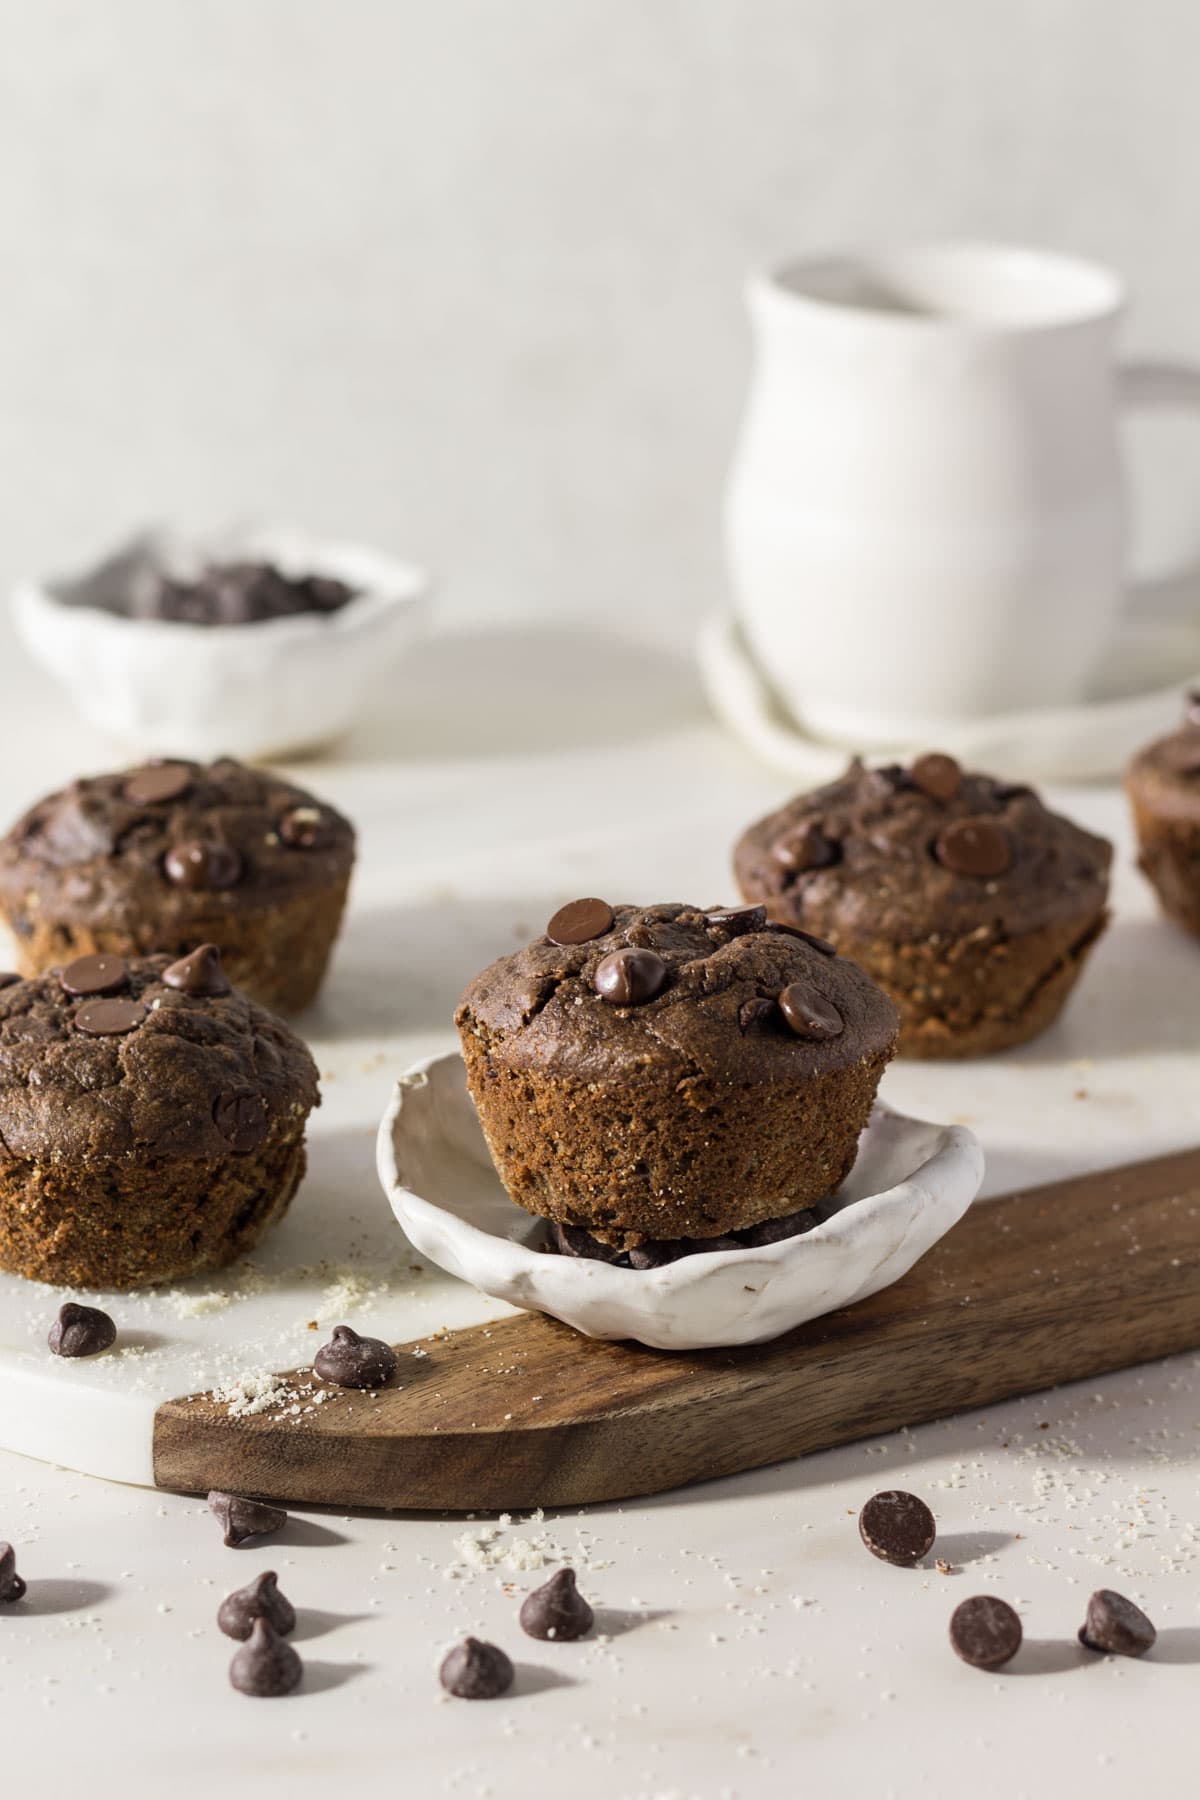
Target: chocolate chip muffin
{"points": [[659, 1073], [1163, 785], [151, 1121], [965, 898], [177, 854]]}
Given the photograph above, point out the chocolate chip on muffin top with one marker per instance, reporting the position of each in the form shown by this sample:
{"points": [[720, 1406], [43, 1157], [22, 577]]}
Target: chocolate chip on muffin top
{"points": [[892, 853], [143, 1068]]}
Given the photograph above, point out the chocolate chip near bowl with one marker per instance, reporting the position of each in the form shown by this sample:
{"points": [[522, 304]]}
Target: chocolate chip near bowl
{"points": [[174, 855], [970, 903], [146, 1135], [647, 1090]]}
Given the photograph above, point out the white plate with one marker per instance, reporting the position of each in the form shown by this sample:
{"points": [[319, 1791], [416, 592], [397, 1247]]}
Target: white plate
{"points": [[911, 1183], [1138, 699]]}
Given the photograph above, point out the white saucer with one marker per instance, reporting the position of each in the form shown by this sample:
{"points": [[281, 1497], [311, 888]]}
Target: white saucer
{"points": [[911, 1183], [1071, 743]]}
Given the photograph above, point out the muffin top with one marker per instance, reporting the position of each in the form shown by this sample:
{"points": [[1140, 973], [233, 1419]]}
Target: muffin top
{"points": [[173, 841], [106, 1059], [894, 854], [651, 993], [1166, 774]]}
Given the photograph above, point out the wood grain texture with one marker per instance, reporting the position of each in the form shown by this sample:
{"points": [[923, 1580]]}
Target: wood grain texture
{"points": [[1056, 1284]]}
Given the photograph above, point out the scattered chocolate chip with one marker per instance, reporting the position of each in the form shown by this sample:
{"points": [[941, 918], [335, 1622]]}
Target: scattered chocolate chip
{"points": [[629, 977], [93, 975], [350, 1361], [305, 828], [580, 921], [244, 1518], [476, 1671], [573, 1240], [200, 865], [7, 978], [199, 974], [242, 1120], [109, 1018], [157, 783], [806, 937], [776, 1231], [738, 920], [756, 1013], [1115, 1626], [809, 1014], [936, 775], [897, 1527], [265, 1667], [260, 1600], [557, 1610], [11, 1585], [240, 593], [805, 849], [985, 1631], [81, 1331], [974, 847], [656, 1253]]}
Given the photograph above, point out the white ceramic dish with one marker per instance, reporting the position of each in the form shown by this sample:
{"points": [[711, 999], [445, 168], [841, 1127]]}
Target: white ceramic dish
{"points": [[911, 1183], [1139, 699], [241, 690]]}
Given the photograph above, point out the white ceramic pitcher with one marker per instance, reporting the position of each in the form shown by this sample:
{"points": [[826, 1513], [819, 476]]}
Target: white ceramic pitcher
{"points": [[926, 516]]}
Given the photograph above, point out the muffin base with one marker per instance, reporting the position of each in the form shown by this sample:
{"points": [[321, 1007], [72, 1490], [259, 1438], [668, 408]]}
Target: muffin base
{"points": [[277, 955], [143, 1220], [1170, 860], [631, 1162], [972, 996]]}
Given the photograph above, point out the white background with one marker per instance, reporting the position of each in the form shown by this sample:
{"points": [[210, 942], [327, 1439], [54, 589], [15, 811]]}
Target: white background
{"points": [[462, 276]]}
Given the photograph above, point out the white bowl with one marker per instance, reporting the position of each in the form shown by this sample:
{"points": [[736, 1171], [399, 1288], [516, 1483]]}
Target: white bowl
{"points": [[911, 1183], [259, 689]]}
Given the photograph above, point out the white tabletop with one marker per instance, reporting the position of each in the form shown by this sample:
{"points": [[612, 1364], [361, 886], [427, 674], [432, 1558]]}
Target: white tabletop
{"points": [[750, 1645]]}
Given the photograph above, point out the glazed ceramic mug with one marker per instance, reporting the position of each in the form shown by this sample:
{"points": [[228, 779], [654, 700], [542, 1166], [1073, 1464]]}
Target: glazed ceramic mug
{"points": [[926, 517]]}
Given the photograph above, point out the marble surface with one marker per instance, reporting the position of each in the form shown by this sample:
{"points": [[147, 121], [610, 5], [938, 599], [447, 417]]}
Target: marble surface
{"points": [[749, 1645]]}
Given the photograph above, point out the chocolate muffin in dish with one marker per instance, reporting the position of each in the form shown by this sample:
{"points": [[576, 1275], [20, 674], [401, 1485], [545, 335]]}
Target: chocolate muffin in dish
{"points": [[1163, 785], [151, 1121], [964, 897], [176, 854], [656, 1079]]}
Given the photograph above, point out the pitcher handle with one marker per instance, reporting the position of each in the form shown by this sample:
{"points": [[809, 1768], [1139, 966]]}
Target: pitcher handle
{"points": [[1158, 385]]}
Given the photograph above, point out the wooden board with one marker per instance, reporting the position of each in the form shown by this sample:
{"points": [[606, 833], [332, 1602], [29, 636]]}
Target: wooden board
{"points": [[1055, 1284]]}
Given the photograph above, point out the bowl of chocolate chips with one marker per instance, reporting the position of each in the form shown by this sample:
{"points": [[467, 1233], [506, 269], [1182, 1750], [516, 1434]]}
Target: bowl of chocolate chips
{"points": [[256, 643]]}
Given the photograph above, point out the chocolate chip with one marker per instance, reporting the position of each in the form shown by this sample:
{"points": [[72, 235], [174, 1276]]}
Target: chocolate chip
{"points": [[11, 1585], [573, 1240], [260, 1600], [985, 1631], [199, 974], [777, 1231], [476, 1671], [201, 865], [242, 1120], [1115, 1626], [936, 775], [738, 920], [897, 1527], [557, 1611], [244, 1518], [305, 828], [81, 1331], [809, 1014], [109, 1018], [157, 783], [755, 1014], [580, 921], [974, 847], [629, 977], [93, 975], [806, 937], [265, 1667], [350, 1361], [805, 849]]}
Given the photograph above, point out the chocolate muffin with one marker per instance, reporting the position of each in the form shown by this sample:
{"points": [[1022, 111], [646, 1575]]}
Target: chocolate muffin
{"points": [[965, 898], [176, 854], [151, 1121], [658, 1073], [1163, 785]]}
